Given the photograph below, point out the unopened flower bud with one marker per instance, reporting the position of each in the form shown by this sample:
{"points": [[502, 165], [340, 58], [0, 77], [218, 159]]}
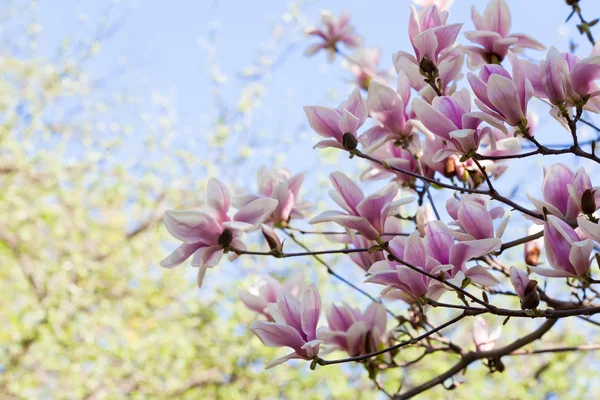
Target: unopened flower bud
{"points": [[271, 237], [531, 298], [588, 202], [450, 167], [349, 141]]}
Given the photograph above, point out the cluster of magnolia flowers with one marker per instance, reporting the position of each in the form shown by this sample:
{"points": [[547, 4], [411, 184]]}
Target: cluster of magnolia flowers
{"points": [[438, 134]]}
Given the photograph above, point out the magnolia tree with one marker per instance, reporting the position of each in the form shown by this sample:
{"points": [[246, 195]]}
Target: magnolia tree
{"points": [[434, 236]]}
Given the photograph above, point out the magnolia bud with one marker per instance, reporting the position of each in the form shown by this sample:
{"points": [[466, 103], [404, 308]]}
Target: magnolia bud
{"points": [[450, 167], [349, 141], [588, 202], [271, 237], [532, 256], [531, 297]]}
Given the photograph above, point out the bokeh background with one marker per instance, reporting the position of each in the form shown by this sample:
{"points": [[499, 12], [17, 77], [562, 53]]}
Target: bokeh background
{"points": [[112, 112]]}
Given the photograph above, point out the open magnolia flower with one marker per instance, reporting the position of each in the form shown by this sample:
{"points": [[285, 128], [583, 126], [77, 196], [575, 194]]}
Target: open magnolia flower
{"points": [[335, 30], [340, 124], [295, 325], [366, 215], [437, 252], [501, 95], [568, 254], [473, 219], [353, 331], [363, 64], [266, 290], [565, 194], [450, 118], [208, 236], [280, 185], [492, 34]]}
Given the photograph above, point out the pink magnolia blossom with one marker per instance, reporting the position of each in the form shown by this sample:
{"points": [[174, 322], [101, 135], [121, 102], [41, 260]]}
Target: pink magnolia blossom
{"points": [[377, 144], [363, 64], [366, 215], [295, 325], [450, 118], [280, 185], [449, 71], [482, 337], [525, 288], [568, 255], [501, 95], [473, 218], [430, 37], [492, 34], [437, 251], [353, 331], [267, 289], [441, 4], [564, 193], [423, 217], [389, 107], [339, 126], [566, 78], [335, 30], [207, 236]]}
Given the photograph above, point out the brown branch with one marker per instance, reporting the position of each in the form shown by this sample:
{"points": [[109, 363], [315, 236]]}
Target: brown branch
{"points": [[471, 357]]}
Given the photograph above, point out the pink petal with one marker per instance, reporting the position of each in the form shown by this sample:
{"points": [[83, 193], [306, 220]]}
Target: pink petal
{"points": [[324, 121], [310, 312], [180, 254], [192, 226], [349, 193], [502, 93], [272, 334], [386, 106], [218, 198], [256, 212]]}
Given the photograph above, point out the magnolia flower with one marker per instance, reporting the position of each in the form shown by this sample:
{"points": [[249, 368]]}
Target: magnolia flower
{"points": [[441, 4], [492, 34], [389, 107], [533, 248], [366, 215], [266, 290], [473, 219], [354, 331], [377, 143], [568, 255], [566, 194], [430, 37], [280, 185], [295, 325], [482, 337], [525, 288], [363, 64], [339, 125], [450, 118], [437, 251], [448, 68], [566, 78], [208, 236], [501, 95], [333, 32]]}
